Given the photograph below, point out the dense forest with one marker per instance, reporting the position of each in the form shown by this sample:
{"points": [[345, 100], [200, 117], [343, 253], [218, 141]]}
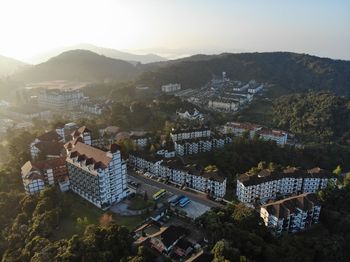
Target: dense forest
{"points": [[289, 71], [314, 116]]}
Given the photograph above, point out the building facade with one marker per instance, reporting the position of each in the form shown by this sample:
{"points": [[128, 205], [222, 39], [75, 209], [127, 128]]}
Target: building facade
{"points": [[170, 88], [211, 182], [37, 175], [190, 133], [60, 99], [291, 215], [267, 185], [98, 176]]}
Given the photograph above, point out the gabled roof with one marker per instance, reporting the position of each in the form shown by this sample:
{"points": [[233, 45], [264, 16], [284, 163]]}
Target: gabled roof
{"points": [[172, 234], [43, 165], [95, 155], [50, 147], [80, 131], [50, 136]]}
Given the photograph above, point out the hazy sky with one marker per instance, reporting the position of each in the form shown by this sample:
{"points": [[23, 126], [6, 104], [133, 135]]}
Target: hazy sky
{"points": [[320, 27]]}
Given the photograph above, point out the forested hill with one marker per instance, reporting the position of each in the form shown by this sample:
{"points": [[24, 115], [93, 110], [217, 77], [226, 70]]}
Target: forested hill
{"points": [[291, 71], [9, 65], [79, 65]]}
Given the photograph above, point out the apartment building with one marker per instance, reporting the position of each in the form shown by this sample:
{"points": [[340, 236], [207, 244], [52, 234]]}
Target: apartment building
{"points": [[189, 133], [91, 108], [236, 128], [98, 176], [140, 140], [60, 99], [84, 133], [170, 88], [291, 215], [267, 185], [37, 175], [189, 115], [200, 145], [224, 105], [211, 182], [278, 136]]}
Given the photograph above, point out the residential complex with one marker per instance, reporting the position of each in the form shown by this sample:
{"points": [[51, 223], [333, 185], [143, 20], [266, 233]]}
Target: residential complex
{"points": [[200, 145], [211, 182], [267, 185], [280, 137], [96, 175], [60, 99], [291, 215], [189, 133], [37, 175], [190, 115], [170, 88]]}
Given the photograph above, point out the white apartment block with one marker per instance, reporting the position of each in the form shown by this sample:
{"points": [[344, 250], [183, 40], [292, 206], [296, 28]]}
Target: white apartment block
{"points": [[225, 105], [170, 88], [140, 141], [98, 176], [200, 145], [91, 108], [278, 136], [267, 185], [182, 134], [60, 99], [291, 215], [190, 176]]}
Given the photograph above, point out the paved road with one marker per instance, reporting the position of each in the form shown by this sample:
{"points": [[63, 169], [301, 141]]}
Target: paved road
{"points": [[201, 198]]}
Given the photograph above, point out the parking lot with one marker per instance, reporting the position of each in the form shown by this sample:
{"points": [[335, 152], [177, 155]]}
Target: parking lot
{"points": [[198, 205]]}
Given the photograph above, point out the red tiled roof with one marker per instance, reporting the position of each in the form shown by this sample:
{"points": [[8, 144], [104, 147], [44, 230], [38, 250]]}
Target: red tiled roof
{"points": [[50, 136], [85, 152], [43, 165], [50, 148]]}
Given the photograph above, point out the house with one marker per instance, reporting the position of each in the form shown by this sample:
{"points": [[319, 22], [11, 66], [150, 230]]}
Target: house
{"points": [[183, 248], [98, 176], [166, 240], [267, 184], [49, 144], [291, 215], [170, 88], [37, 175]]}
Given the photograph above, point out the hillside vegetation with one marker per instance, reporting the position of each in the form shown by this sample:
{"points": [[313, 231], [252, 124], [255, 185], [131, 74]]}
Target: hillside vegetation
{"points": [[79, 65], [290, 71], [314, 116]]}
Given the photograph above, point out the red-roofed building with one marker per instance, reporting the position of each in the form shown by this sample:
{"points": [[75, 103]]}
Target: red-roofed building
{"points": [[37, 175]]}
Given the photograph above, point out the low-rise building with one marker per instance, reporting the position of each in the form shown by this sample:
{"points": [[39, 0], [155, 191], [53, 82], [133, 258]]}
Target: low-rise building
{"points": [[211, 182], [170, 88], [37, 175], [267, 185], [200, 145], [236, 128], [291, 215], [224, 104], [189, 133], [194, 115]]}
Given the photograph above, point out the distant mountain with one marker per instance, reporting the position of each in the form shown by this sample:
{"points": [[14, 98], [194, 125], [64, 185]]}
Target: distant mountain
{"points": [[112, 53], [288, 71], [9, 65], [79, 65]]}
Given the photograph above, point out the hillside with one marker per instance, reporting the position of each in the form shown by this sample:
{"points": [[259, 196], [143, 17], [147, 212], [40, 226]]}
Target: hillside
{"points": [[9, 65], [288, 71], [109, 52], [80, 65]]}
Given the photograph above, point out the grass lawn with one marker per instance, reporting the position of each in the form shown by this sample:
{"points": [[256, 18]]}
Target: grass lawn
{"points": [[78, 207], [138, 203]]}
